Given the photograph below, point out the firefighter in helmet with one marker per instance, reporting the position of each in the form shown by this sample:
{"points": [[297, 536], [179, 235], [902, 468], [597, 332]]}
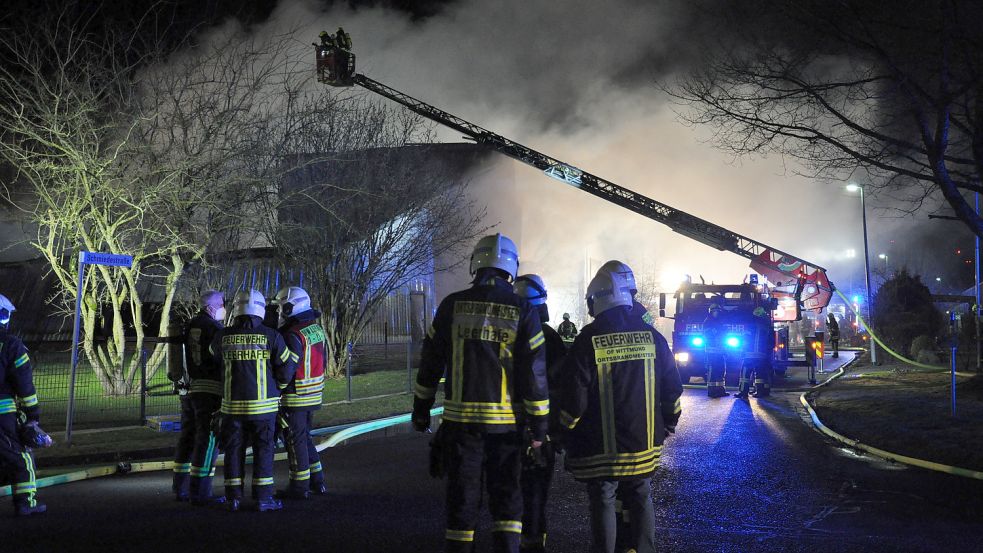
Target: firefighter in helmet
{"points": [[833, 328], [306, 338], [619, 369], [488, 344], [19, 415], [537, 469], [567, 330], [204, 398], [716, 360], [257, 365], [756, 362]]}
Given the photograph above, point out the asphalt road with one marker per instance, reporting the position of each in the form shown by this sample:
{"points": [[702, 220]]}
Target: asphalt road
{"points": [[738, 476]]}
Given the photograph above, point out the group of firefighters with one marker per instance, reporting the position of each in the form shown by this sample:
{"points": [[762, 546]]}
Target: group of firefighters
{"points": [[516, 393]]}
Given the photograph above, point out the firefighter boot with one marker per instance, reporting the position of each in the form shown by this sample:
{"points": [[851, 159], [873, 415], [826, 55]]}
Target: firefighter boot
{"points": [[26, 505], [233, 504], [318, 488], [269, 504], [181, 485]]}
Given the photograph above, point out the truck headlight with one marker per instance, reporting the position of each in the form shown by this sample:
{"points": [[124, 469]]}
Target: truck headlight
{"points": [[682, 357]]}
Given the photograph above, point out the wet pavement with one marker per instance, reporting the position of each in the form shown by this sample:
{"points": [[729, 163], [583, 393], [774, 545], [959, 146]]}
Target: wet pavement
{"points": [[738, 476]]}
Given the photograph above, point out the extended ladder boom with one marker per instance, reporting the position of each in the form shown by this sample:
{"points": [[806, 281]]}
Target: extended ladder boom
{"points": [[812, 286]]}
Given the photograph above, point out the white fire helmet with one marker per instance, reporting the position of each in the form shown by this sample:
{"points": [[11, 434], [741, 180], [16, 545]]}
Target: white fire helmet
{"points": [[625, 271], [611, 286], [531, 288], [249, 302], [6, 308], [566, 316], [213, 302], [292, 301], [495, 251]]}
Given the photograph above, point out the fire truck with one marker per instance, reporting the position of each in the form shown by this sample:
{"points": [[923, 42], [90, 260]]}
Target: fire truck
{"points": [[738, 303], [795, 284]]}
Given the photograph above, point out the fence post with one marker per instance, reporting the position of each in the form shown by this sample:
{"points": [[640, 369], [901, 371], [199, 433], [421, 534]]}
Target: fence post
{"points": [[955, 347], [409, 345], [143, 386], [348, 372]]}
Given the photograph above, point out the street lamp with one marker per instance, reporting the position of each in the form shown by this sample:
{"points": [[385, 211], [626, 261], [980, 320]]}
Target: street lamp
{"points": [[853, 187]]}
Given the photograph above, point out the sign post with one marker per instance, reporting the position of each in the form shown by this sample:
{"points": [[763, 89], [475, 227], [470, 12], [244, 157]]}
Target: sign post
{"points": [[85, 258]]}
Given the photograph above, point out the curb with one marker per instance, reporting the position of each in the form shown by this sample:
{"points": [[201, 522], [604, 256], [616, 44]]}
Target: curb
{"points": [[886, 455], [345, 432]]}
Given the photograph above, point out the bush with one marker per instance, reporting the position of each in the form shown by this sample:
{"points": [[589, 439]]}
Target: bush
{"points": [[920, 344], [903, 310]]}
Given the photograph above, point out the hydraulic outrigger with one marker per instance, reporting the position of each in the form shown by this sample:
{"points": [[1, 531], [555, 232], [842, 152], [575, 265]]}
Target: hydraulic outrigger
{"points": [[790, 275]]}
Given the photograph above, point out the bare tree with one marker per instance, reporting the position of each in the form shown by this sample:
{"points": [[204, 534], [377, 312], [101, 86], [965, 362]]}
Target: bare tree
{"points": [[890, 91], [365, 210]]}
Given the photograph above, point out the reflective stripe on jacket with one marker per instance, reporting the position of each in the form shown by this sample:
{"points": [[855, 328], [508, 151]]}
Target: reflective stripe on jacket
{"points": [[306, 338], [257, 365]]}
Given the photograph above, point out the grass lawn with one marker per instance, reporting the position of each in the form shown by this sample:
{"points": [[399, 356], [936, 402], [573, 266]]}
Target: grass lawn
{"points": [[908, 412]]}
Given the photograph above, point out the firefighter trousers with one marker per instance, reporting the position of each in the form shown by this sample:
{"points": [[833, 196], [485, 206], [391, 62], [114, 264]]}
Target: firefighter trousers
{"points": [[17, 461], [762, 379], [238, 432], [473, 456], [637, 498], [185, 448], [302, 455], [535, 491], [716, 374], [206, 447]]}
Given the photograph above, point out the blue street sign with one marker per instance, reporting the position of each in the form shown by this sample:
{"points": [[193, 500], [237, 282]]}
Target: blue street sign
{"points": [[110, 259], [754, 279]]}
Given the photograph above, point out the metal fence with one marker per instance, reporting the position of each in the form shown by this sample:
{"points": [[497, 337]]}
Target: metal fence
{"points": [[382, 363]]}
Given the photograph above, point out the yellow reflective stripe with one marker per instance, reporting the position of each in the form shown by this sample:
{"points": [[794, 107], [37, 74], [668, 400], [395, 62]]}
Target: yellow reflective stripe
{"points": [[301, 474], [537, 407], [537, 340], [21, 360], [615, 471], [716, 383], [29, 401], [286, 355], [233, 481], [514, 526], [568, 420], [250, 406], [615, 458], [650, 402], [297, 400], [459, 535], [206, 386], [678, 407], [265, 481], [423, 392], [606, 389], [182, 468], [457, 367]]}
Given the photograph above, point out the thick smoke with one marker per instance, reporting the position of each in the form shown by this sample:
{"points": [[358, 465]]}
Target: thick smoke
{"points": [[578, 80]]}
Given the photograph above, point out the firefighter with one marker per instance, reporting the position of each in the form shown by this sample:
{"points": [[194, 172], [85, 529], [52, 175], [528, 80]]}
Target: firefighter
{"points": [[567, 330], [625, 272], [756, 361], [488, 344], [537, 470], [19, 415], [205, 394], [619, 370], [713, 332], [257, 365], [304, 337], [833, 328]]}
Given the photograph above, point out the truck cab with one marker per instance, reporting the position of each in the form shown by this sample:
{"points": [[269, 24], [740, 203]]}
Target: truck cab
{"points": [[738, 303]]}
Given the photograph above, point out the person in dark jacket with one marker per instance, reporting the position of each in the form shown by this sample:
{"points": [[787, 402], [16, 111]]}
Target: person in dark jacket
{"points": [[619, 398], [756, 361], [567, 330], [257, 365], [487, 343], [833, 329], [716, 360], [537, 470], [205, 394], [305, 337], [17, 394]]}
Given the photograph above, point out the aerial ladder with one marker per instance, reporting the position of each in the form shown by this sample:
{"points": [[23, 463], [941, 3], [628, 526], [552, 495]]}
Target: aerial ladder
{"points": [[790, 276]]}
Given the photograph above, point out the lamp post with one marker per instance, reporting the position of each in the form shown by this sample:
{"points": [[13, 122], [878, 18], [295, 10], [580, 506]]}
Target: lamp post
{"points": [[852, 187]]}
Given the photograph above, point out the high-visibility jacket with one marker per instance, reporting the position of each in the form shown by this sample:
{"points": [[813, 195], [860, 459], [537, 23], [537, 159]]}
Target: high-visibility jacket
{"points": [[205, 372], [256, 366], [488, 344], [620, 389], [305, 337], [16, 378]]}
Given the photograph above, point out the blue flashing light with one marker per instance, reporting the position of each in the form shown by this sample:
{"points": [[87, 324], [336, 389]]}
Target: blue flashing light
{"points": [[856, 299], [732, 341], [696, 341]]}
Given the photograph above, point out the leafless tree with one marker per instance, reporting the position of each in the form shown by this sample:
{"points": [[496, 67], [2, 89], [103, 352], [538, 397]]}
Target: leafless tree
{"points": [[886, 91]]}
